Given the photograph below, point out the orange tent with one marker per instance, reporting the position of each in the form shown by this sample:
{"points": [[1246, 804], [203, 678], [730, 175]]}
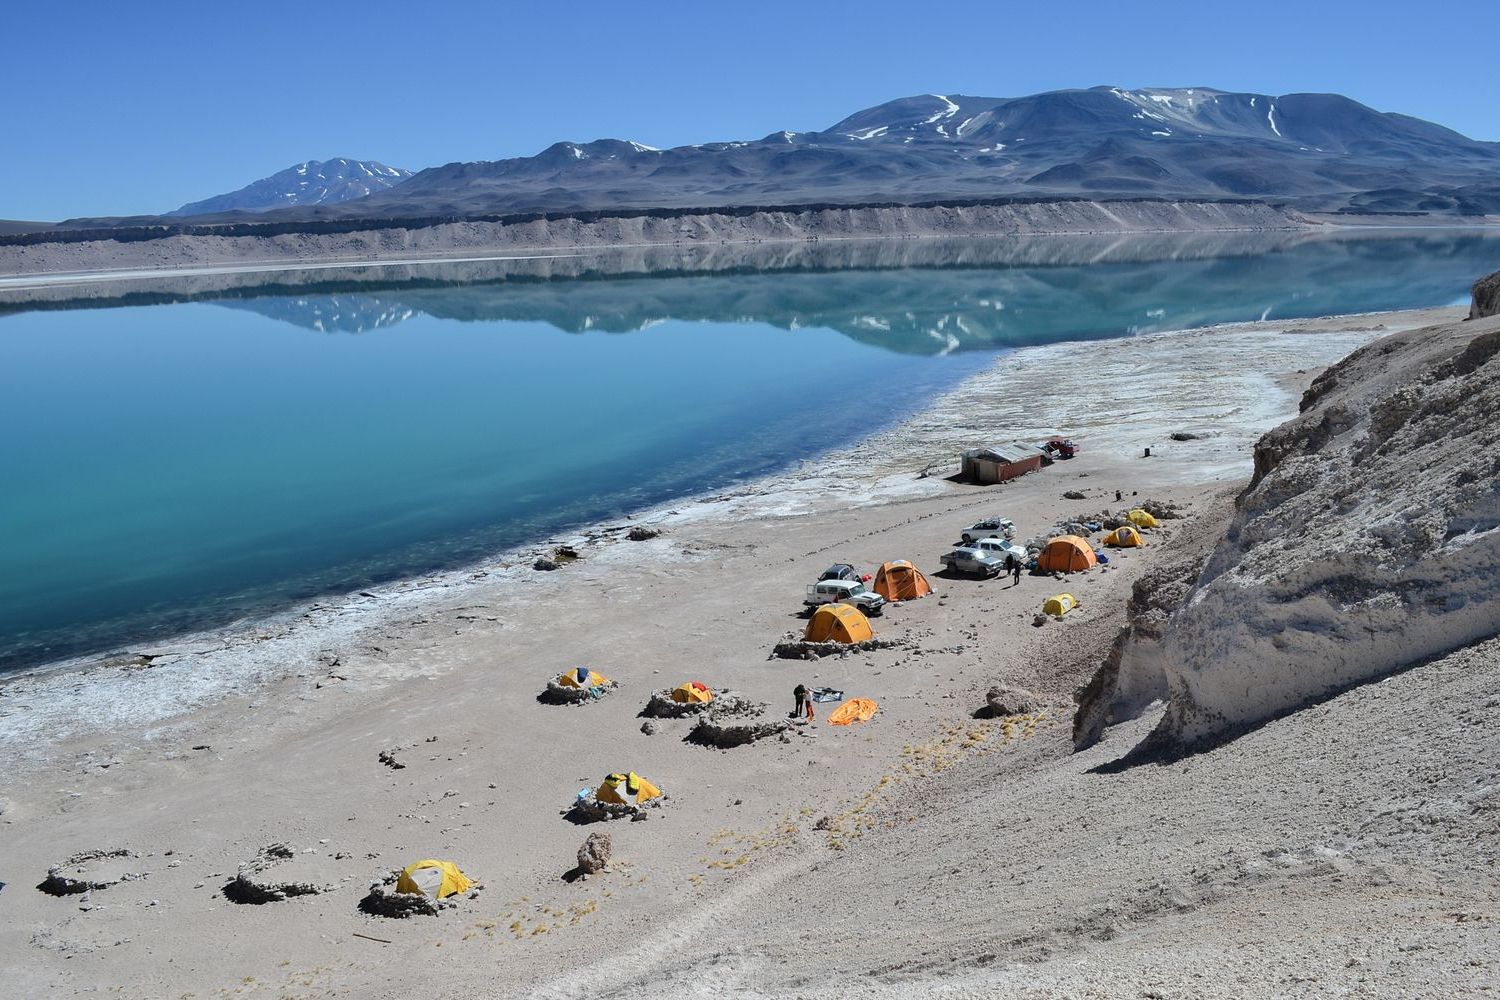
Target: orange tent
{"points": [[899, 580], [838, 623], [852, 711], [1066, 554], [693, 692]]}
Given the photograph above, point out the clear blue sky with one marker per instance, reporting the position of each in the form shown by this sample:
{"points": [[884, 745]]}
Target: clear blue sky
{"points": [[119, 108]]}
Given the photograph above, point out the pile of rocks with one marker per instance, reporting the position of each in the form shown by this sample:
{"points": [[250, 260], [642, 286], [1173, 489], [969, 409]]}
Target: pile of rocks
{"points": [[254, 886], [661, 705], [716, 731], [90, 870]]}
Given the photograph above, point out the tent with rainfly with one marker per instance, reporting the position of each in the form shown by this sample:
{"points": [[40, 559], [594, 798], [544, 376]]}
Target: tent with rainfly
{"points": [[1066, 554], [1126, 536], [899, 580], [627, 789], [582, 677], [433, 879], [692, 693], [1141, 519], [1059, 605], [838, 623]]}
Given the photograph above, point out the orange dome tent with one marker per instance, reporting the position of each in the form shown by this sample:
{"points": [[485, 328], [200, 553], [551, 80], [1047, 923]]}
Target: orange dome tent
{"points": [[1066, 554], [852, 711], [838, 623], [899, 580], [693, 692]]}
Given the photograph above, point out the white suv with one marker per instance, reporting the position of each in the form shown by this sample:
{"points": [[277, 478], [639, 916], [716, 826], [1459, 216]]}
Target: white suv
{"points": [[845, 592], [990, 527]]}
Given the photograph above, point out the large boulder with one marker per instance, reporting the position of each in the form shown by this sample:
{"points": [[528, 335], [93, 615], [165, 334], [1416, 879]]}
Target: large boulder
{"points": [[1368, 540], [594, 853], [1486, 300]]}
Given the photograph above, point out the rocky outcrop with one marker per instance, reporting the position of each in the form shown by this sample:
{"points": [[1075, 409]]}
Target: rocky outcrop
{"points": [[1368, 540], [1486, 300], [1133, 675], [1001, 701]]}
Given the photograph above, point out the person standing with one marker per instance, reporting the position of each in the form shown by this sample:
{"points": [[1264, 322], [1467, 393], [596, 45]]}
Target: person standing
{"points": [[1015, 572], [803, 702]]}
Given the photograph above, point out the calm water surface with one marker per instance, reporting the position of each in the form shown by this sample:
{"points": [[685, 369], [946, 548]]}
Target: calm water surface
{"points": [[212, 452]]}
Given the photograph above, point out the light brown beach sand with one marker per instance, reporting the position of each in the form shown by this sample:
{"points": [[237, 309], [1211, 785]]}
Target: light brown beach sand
{"points": [[731, 888]]}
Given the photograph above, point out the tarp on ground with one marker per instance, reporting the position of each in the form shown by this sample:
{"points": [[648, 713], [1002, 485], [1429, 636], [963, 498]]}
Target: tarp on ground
{"points": [[838, 623], [852, 711], [433, 879], [899, 580], [1066, 554]]}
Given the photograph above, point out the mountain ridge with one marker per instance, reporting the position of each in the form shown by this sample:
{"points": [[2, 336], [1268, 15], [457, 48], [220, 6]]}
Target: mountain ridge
{"points": [[311, 182]]}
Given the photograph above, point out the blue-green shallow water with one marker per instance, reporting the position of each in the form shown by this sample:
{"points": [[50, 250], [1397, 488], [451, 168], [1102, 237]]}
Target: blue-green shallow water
{"points": [[178, 465]]}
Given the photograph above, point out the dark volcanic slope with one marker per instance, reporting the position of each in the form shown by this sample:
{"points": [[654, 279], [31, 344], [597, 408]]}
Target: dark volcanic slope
{"points": [[316, 182], [1314, 151]]}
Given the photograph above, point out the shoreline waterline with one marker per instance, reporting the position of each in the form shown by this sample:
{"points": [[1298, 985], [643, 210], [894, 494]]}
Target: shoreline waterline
{"points": [[169, 678]]}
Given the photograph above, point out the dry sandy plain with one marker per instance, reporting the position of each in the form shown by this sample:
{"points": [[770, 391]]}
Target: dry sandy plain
{"points": [[925, 853]]}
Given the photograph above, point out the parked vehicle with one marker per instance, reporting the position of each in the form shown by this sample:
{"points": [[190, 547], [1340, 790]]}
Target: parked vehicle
{"points": [[851, 592], [1001, 547], [1062, 447], [840, 571], [990, 527], [976, 561]]}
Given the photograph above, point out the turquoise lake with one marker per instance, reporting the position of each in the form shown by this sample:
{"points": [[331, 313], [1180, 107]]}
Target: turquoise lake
{"points": [[177, 455]]}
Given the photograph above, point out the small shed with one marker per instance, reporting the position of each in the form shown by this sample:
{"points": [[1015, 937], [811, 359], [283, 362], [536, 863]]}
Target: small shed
{"points": [[998, 463]]}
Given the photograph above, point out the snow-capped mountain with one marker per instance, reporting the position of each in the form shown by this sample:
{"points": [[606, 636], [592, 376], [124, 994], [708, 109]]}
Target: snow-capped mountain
{"points": [[315, 182], [1318, 152]]}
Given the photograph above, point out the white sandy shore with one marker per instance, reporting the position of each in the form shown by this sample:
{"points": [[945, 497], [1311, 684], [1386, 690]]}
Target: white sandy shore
{"points": [[269, 733]]}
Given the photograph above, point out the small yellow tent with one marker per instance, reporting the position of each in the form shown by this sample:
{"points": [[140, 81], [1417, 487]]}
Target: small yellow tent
{"points": [[1066, 554], [838, 623], [582, 677], [852, 711], [1141, 519], [1126, 536], [899, 580], [627, 789], [1059, 605], [433, 879], [693, 692]]}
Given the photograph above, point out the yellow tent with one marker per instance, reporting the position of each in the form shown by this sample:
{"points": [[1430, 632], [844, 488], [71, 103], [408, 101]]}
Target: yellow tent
{"points": [[838, 623], [1126, 536], [693, 692], [1059, 605], [434, 879], [852, 711], [627, 789], [1141, 519], [899, 580], [583, 677], [1066, 554]]}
